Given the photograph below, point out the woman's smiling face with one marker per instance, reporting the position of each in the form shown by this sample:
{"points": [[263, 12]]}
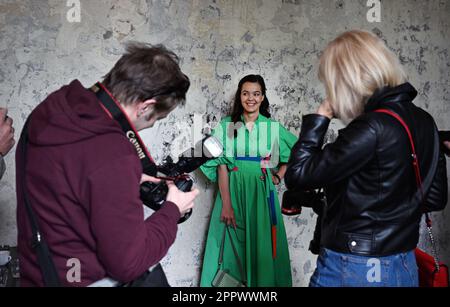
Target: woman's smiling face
{"points": [[251, 97]]}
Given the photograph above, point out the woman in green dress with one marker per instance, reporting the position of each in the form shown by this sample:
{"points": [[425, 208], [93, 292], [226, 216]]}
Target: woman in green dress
{"points": [[256, 150]]}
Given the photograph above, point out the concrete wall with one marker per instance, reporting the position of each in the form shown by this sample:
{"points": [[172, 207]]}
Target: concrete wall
{"points": [[218, 41]]}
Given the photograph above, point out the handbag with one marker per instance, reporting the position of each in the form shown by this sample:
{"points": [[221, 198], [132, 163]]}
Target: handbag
{"points": [[223, 278], [432, 272]]}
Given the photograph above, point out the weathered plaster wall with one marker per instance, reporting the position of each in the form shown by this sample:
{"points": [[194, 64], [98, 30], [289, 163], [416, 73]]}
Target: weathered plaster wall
{"points": [[218, 41]]}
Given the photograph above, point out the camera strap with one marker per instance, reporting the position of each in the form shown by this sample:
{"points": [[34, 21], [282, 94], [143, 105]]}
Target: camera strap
{"points": [[112, 107]]}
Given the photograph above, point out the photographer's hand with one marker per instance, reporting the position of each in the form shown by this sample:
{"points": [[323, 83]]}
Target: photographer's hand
{"points": [[184, 201]]}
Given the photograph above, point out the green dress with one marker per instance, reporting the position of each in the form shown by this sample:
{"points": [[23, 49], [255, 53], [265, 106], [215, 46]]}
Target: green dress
{"points": [[260, 237]]}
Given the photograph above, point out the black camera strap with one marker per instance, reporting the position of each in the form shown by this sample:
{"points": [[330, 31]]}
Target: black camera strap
{"points": [[112, 107], [44, 257]]}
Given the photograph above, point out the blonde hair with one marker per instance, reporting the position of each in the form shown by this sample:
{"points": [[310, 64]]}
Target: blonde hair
{"points": [[353, 67]]}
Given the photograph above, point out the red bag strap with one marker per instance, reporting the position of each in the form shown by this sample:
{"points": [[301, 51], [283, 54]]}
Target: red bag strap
{"points": [[413, 148], [418, 177]]}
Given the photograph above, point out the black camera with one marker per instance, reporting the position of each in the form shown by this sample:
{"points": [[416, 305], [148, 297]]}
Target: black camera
{"points": [[292, 204], [154, 195], [294, 200]]}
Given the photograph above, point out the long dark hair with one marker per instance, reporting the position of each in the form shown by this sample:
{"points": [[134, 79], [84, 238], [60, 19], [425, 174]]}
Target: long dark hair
{"points": [[238, 109]]}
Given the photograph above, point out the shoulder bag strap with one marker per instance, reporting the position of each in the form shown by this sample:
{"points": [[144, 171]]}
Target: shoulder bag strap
{"points": [[418, 179], [45, 260]]}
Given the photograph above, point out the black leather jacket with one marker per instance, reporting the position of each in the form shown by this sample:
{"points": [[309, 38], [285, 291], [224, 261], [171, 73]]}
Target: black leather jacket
{"points": [[373, 204]]}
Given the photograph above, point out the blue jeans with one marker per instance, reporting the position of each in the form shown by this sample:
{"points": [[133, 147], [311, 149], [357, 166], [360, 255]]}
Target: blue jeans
{"points": [[347, 270]]}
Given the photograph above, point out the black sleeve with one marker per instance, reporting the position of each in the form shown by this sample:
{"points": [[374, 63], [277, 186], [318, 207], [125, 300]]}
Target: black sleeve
{"points": [[312, 167], [436, 198]]}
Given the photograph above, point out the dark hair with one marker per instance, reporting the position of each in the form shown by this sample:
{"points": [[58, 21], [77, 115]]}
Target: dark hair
{"points": [[238, 109], [146, 72]]}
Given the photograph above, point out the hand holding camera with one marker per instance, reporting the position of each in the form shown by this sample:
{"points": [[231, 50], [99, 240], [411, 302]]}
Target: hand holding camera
{"points": [[183, 200], [155, 193]]}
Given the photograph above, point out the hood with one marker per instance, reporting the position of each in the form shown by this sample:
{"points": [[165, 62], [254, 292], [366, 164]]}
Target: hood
{"points": [[69, 115]]}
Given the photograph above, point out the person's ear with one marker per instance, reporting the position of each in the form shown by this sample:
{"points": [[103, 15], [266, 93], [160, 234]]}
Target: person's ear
{"points": [[145, 106]]}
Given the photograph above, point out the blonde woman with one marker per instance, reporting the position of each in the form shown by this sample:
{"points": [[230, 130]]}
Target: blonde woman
{"points": [[371, 221]]}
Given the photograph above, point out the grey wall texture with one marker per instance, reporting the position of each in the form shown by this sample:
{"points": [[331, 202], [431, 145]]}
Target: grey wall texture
{"points": [[218, 41]]}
